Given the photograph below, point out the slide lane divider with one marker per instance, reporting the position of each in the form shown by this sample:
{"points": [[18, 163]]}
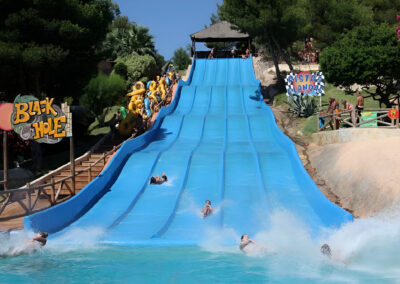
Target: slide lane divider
{"points": [[261, 182], [165, 227], [142, 190], [223, 155]]}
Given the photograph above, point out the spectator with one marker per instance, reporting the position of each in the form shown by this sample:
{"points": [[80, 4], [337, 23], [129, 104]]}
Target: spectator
{"points": [[348, 106], [233, 51], [360, 103], [211, 55], [332, 108]]}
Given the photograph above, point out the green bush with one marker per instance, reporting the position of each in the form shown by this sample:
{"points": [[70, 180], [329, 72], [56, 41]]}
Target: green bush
{"points": [[302, 106], [140, 67], [101, 93], [181, 58], [121, 69]]}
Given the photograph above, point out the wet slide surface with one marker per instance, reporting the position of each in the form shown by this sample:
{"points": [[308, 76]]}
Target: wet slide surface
{"points": [[219, 143]]}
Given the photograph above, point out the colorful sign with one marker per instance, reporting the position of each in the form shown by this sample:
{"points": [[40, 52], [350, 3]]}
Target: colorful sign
{"points": [[368, 115], [393, 113], [38, 120], [305, 83]]}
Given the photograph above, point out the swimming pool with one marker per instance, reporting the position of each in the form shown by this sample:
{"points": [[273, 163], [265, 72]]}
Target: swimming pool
{"points": [[367, 251]]}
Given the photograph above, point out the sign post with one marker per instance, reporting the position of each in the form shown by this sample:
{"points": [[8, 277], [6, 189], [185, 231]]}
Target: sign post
{"points": [[68, 129], [5, 160]]}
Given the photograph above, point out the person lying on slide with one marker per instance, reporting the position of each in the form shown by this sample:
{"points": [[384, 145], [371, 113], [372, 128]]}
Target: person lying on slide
{"points": [[207, 209], [31, 246], [158, 179]]}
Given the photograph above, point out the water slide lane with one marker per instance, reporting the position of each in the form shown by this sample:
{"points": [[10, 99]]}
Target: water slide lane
{"points": [[220, 143], [155, 205], [204, 177], [129, 185]]}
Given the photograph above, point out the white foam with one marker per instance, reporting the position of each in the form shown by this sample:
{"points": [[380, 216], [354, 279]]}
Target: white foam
{"points": [[77, 238]]}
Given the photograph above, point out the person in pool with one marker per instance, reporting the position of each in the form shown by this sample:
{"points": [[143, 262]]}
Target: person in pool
{"points": [[326, 250], [207, 209], [246, 244], [158, 179], [31, 246]]}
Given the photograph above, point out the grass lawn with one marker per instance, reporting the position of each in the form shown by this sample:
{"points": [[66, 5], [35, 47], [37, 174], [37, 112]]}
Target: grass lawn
{"points": [[309, 125]]}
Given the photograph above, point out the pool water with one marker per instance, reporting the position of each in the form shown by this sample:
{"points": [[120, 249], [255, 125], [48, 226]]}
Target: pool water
{"points": [[365, 251]]}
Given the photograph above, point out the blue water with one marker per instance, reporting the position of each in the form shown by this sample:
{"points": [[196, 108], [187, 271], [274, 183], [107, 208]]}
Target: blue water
{"points": [[366, 251]]}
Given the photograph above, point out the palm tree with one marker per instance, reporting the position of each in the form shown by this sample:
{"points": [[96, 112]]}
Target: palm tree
{"points": [[126, 38]]}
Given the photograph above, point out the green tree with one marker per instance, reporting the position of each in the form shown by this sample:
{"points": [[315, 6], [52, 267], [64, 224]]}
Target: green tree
{"points": [[275, 24], [48, 46], [328, 19], [101, 93], [181, 58], [384, 11], [140, 67], [369, 56], [126, 38]]}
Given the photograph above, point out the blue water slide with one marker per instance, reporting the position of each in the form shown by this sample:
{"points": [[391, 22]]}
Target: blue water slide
{"points": [[217, 141]]}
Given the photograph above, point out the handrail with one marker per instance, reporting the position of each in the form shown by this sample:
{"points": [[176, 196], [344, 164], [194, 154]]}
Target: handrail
{"points": [[54, 198], [350, 118]]}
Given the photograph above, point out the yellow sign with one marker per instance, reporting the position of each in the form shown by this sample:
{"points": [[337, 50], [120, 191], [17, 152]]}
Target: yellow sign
{"points": [[39, 120]]}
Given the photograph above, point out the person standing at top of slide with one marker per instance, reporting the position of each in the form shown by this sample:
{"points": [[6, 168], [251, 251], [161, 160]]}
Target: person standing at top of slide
{"points": [[211, 55]]}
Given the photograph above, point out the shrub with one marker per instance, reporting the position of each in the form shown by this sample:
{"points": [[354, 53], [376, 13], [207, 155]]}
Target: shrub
{"points": [[140, 67], [121, 69], [101, 93], [301, 105]]}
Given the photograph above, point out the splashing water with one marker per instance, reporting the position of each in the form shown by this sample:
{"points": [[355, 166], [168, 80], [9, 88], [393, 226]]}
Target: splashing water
{"points": [[364, 250]]}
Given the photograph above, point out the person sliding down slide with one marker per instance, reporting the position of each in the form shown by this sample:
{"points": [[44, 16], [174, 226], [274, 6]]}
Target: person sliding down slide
{"points": [[31, 246], [207, 209], [158, 180], [248, 246]]}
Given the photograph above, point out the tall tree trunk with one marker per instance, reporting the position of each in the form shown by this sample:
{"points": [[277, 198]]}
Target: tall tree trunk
{"points": [[282, 53], [276, 63]]}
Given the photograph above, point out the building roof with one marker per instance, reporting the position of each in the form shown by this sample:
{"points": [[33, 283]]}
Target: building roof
{"points": [[221, 31]]}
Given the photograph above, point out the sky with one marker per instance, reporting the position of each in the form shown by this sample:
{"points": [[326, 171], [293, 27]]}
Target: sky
{"points": [[170, 21]]}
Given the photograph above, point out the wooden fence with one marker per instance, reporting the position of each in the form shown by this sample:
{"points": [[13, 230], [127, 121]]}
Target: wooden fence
{"points": [[353, 118], [27, 197]]}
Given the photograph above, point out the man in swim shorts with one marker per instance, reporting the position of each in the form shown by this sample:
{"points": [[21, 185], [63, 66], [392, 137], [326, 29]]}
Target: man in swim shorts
{"points": [[360, 103]]}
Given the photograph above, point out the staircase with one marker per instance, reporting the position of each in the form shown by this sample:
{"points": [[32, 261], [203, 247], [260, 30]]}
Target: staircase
{"points": [[81, 180]]}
